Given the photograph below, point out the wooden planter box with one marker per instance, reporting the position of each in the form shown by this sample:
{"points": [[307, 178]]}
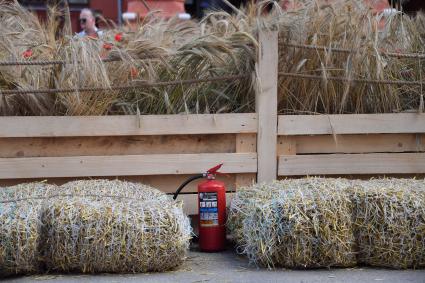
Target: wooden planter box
{"points": [[163, 150]]}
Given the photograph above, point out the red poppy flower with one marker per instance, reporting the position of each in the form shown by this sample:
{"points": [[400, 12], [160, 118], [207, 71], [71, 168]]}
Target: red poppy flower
{"points": [[118, 37], [27, 53], [107, 46], [133, 72]]}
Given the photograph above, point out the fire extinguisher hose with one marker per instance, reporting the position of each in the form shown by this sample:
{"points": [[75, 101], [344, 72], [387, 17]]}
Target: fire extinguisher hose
{"points": [[199, 176]]}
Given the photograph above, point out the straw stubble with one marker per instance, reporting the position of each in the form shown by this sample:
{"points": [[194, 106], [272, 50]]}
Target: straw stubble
{"points": [[390, 222], [90, 226], [319, 222], [303, 223], [20, 227]]}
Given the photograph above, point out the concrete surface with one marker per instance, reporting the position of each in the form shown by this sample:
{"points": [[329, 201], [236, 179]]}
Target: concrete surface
{"points": [[227, 267]]}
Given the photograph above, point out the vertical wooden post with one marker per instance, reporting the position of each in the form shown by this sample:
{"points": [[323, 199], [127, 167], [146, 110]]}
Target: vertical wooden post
{"points": [[266, 104]]}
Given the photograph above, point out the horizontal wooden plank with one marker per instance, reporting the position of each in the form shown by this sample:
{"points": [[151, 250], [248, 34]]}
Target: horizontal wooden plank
{"points": [[133, 125], [117, 145], [351, 124], [164, 183], [190, 202], [339, 164], [125, 165], [379, 143]]}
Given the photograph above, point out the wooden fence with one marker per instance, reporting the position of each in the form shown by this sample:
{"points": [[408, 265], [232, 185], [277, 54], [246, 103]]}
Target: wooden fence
{"points": [[162, 150], [351, 144]]}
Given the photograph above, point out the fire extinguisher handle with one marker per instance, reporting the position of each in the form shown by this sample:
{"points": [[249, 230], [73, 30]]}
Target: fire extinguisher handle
{"points": [[215, 169], [199, 176]]}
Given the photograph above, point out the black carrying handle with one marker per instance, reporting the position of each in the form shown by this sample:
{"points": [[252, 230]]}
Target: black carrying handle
{"points": [[199, 176]]}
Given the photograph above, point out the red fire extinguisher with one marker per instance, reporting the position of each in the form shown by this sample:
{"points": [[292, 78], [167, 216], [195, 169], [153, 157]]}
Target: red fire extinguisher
{"points": [[212, 210]]}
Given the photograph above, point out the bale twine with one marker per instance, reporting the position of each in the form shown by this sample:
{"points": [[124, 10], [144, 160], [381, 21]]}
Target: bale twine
{"points": [[113, 226], [304, 223], [20, 227], [389, 222]]}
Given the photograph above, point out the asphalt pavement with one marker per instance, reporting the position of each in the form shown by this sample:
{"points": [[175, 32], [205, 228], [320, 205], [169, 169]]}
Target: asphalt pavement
{"points": [[227, 267]]}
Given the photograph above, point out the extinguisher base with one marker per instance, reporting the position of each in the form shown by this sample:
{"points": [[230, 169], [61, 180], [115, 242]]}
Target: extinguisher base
{"points": [[212, 251]]}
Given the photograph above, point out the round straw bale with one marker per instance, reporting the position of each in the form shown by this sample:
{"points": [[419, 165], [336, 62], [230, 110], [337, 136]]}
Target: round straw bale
{"points": [[304, 223], [114, 231], [20, 227], [389, 222]]}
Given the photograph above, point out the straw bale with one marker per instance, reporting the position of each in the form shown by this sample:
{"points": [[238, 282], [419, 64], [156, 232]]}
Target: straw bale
{"points": [[114, 188], [113, 228], [389, 223], [304, 223], [20, 227]]}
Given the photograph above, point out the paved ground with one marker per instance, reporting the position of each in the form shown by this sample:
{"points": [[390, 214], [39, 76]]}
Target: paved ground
{"points": [[227, 267]]}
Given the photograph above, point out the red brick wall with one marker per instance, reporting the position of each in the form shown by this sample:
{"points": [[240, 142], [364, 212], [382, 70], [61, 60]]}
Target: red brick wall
{"points": [[378, 5], [108, 8]]}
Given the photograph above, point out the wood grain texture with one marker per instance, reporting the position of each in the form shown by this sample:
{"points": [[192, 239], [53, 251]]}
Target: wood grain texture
{"points": [[117, 145], [351, 124], [340, 164], [266, 104], [378, 143], [245, 143], [133, 125], [124, 165]]}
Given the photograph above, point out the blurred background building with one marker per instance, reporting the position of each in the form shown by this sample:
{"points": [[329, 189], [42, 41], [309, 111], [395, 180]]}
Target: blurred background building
{"points": [[114, 10], [118, 11]]}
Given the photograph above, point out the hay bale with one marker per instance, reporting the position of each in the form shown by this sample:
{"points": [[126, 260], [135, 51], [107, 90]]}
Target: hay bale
{"points": [[20, 228], [114, 229], [303, 223], [389, 222], [115, 188]]}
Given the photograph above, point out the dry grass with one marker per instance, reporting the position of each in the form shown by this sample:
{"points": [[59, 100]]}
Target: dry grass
{"points": [[86, 70], [19, 31], [192, 51], [220, 44], [348, 25]]}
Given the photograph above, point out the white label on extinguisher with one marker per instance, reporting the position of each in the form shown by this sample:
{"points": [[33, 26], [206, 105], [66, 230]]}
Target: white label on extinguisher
{"points": [[208, 209]]}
